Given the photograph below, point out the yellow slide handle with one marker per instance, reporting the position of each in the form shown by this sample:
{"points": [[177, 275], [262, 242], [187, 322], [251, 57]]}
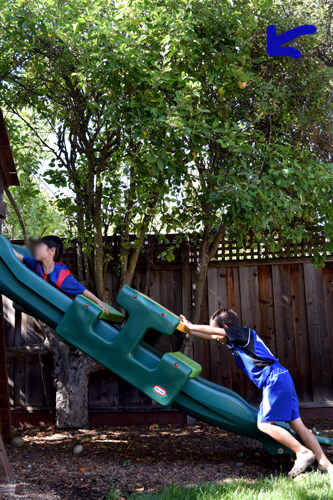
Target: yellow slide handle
{"points": [[181, 327]]}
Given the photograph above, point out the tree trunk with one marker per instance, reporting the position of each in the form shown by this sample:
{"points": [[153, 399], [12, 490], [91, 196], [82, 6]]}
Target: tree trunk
{"points": [[71, 378], [80, 266], [147, 257], [80, 227], [199, 290], [98, 241], [206, 253], [128, 275], [125, 239], [127, 272], [19, 215], [87, 270]]}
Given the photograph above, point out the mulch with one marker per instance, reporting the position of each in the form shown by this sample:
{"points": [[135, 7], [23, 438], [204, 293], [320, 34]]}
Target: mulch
{"points": [[135, 459]]}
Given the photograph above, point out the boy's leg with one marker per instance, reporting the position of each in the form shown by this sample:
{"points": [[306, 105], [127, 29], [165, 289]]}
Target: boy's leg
{"points": [[280, 403], [310, 442], [284, 437]]}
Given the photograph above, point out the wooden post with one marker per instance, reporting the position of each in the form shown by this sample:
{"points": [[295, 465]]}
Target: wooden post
{"points": [[6, 473], [6, 427], [2, 204]]}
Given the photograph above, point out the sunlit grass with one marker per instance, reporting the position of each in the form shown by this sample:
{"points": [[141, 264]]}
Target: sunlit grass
{"points": [[312, 486]]}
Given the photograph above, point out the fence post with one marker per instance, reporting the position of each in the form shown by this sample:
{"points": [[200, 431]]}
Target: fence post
{"points": [[186, 279], [187, 295]]}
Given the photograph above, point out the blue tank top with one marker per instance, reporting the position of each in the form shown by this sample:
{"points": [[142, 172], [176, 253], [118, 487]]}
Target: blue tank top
{"points": [[251, 354]]}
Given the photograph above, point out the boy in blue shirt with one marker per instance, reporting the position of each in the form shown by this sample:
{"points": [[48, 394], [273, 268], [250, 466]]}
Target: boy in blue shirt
{"points": [[46, 264], [279, 402]]}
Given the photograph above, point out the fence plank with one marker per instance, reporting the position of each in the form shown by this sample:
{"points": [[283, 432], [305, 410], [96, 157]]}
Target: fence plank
{"points": [[217, 298], [266, 306], [283, 313], [318, 333], [20, 364], [201, 348], [315, 352], [249, 294], [9, 322], [186, 280], [31, 334], [103, 390], [112, 288], [304, 389], [328, 292], [237, 378]]}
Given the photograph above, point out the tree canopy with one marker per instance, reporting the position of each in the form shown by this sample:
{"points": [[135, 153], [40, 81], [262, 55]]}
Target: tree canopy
{"points": [[170, 116]]}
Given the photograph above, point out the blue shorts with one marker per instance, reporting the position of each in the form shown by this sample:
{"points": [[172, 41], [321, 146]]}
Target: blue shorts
{"points": [[279, 400]]}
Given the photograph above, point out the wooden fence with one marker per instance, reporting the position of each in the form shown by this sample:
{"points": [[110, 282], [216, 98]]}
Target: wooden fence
{"points": [[288, 302]]}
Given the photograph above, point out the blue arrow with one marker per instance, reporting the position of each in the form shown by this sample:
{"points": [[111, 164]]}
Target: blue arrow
{"points": [[274, 42]]}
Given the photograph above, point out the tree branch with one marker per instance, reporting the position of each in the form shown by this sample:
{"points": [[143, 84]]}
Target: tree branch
{"points": [[26, 350], [18, 213]]}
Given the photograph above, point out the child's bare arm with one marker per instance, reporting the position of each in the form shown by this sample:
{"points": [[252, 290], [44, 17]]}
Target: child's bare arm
{"points": [[204, 331], [206, 336], [18, 255], [208, 330], [93, 297]]}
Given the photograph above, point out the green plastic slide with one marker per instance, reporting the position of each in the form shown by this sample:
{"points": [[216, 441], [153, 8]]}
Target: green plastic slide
{"points": [[128, 350]]}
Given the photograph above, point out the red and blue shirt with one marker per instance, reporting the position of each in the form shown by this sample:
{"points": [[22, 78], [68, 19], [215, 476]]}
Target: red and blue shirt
{"points": [[60, 277]]}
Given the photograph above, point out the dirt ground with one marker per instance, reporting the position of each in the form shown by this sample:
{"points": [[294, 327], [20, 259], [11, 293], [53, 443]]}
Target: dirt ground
{"points": [[133, 459]]}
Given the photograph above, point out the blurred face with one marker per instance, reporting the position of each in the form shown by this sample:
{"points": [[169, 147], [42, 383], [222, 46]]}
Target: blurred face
{"points": [[43, 252]]}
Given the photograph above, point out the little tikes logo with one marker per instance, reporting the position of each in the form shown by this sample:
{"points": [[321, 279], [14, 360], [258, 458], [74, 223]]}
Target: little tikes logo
{"points": [[159, 390]]}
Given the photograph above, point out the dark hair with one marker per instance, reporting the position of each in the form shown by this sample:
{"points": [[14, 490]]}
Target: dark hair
{"points": [[226, 317], [54, 242]]}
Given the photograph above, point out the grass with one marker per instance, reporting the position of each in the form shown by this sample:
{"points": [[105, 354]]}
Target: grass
{"points": [[314, 486]]}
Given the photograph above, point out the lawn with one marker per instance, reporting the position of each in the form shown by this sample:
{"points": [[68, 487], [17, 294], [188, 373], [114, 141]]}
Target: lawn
{"points": [[309, 486]]}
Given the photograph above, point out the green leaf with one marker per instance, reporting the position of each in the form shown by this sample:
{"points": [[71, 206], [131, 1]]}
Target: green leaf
{"points": [[216, 121], [239, 241], [149, 158]]}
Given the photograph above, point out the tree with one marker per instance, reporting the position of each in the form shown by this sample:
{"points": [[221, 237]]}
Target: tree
{"points": [[260, 164], [31, 211], [171, 116], [92, 81]]}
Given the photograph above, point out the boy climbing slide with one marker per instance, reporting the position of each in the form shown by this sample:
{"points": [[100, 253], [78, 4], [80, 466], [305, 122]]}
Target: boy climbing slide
{"points": [[46, 264], [279, 402]]}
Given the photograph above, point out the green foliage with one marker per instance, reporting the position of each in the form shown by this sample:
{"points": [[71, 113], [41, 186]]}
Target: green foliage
{"points": [[153, 132], [114, 494], [39, 215], [34, 202]]}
